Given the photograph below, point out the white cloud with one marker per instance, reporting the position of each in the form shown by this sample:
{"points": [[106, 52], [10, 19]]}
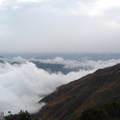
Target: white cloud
{"points": [[100, 6], [97, 7], [23, 85], [30, 0], [1, 33], [3, 2], [111, 24], [4, 33], [16, 7]]}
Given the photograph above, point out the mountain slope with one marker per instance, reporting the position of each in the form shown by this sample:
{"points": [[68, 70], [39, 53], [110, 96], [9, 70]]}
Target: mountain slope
{"points": [[94, 89]]}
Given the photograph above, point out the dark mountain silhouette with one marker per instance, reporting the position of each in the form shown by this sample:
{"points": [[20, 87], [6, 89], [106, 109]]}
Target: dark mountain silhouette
{"points": [[55, 68], [68, 101]]}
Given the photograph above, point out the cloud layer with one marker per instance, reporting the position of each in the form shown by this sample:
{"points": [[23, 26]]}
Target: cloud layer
{"points": [[59, 26], [23, 85]]}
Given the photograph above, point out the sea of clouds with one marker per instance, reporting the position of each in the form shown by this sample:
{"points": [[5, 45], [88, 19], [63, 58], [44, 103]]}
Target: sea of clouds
{"points": [[23, 84]]}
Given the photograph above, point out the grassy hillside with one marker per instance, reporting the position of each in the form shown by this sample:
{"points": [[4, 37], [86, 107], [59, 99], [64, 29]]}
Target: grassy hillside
{"points": [[69, 100]]}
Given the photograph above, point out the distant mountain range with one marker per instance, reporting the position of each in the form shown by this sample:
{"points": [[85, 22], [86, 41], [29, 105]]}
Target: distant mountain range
{"points": [[69, 100]]}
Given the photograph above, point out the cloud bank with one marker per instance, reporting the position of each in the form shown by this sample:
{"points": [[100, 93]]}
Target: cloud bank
{"points": [[59, 26], [23, 85]]}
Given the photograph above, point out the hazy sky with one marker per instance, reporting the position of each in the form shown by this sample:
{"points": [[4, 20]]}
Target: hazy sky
{"points": [[59, 26]]}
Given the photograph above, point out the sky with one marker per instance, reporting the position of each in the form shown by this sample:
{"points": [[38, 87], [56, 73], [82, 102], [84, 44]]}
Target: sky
{"points": [[57, 26]]}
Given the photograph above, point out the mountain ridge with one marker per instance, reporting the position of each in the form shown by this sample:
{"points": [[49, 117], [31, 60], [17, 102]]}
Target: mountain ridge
{"points": [[70, 100]]}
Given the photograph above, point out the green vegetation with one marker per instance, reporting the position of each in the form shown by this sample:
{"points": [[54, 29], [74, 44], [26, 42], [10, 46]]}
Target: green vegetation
{"points": [[109, 111], [20, 116]]}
